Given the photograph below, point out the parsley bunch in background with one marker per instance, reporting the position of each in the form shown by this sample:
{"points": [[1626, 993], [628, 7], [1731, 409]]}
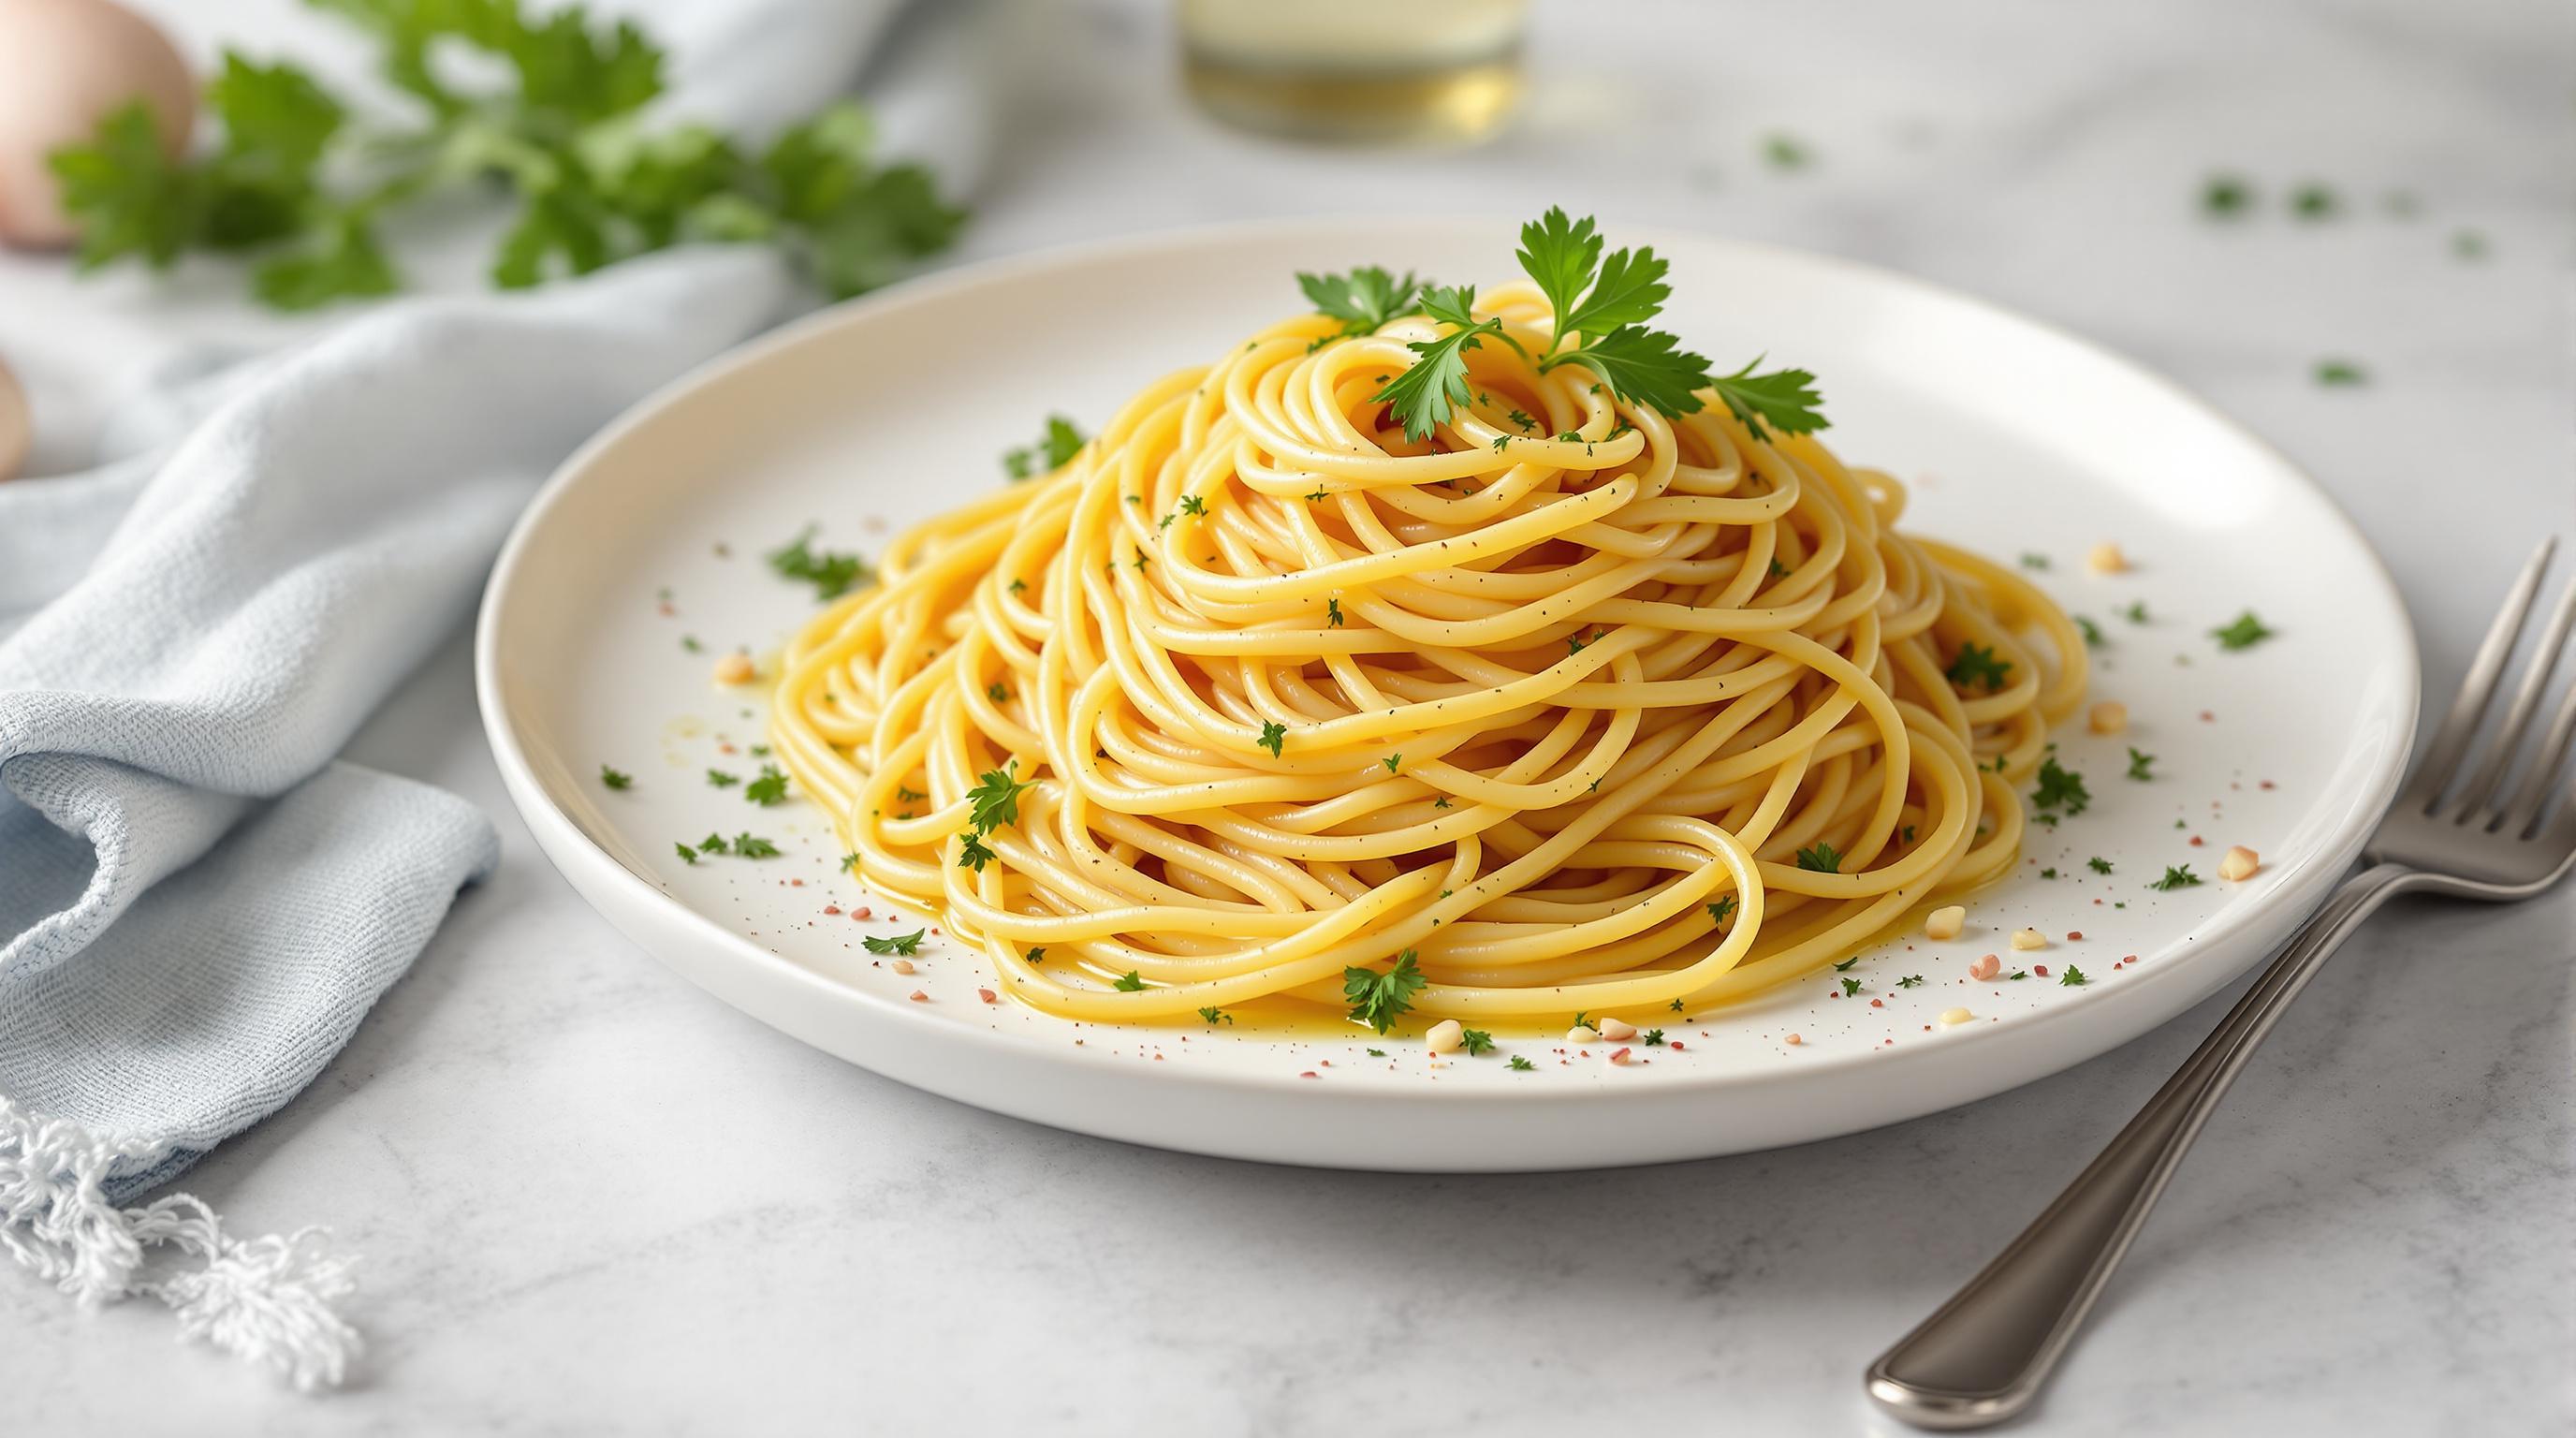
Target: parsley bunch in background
{"points": [[298, 184]]}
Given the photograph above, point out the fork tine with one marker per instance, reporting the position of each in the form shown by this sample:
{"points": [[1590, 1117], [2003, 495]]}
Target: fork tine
{"points": [[2525, 809], [2491, 770], [2442, 758]]}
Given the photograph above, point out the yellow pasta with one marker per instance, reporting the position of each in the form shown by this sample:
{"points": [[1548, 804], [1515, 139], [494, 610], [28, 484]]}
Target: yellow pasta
{"points": [[1580, 705]]}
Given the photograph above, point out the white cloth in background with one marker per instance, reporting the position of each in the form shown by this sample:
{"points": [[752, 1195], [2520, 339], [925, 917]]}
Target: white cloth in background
{"points": [[197, 904]]}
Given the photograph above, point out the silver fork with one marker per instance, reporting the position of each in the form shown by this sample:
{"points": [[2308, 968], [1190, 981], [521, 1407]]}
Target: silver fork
{"points": [[2459, 829]]}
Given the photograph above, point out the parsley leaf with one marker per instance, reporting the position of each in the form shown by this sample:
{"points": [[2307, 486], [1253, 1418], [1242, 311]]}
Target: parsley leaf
{"points": [[1363, 300], [2244, 632], [2098, 864], [1649, 367], [2141, 764], [2176, 877], [1216, 1015], [1427, 394], [1850, 987], [687, 854], [2073, 978], [902, 944], [1521, 1065], [1477, 1041], [973, 855], [1653, 1038], [717, 778], [996, 797], [1821, 859], [1718, 909], [830, 573], [1910, 981], [753, 847], [1785, 400], [1274, 737], [614, 779], [1378, 998], [1130, 982]]}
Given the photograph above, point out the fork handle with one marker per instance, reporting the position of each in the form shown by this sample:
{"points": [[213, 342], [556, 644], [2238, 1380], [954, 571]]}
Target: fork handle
{"points": [[1982, 1357]]}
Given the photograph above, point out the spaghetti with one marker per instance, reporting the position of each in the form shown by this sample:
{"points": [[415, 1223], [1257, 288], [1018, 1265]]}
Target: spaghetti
{"points": [[1579, 705]]}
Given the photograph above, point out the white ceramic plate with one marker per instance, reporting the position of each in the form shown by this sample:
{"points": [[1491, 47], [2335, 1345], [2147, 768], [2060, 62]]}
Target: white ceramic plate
{"points": [[2018, 440]]}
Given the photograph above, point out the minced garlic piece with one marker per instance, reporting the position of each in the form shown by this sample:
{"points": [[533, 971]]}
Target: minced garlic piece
{"points": [[735, 668], [1956, 1016], [1581, 1034], [2108, 717], [2106, 558], [1945, 923], [2240, 863], [1616, 1030], [2029, 939], [1446, 1036]]}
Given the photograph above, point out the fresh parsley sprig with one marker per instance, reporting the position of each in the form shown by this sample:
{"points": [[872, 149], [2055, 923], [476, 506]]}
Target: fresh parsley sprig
{"points": [[1600, 307], [1378, 998]]}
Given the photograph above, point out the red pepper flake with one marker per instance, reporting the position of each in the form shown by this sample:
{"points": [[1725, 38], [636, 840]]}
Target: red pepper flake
{"points": [[1620, 1058], [919, 997], [1310, 1073], [2208, 718], [726, 749], [2040, 969], [831, 908], [987, 995], [2195, 841], [1878, 1003], [2074, 936], [667, 610], [861, 912], [799, 883], [2265, 784], [1677, 1046], [2131, 959]]}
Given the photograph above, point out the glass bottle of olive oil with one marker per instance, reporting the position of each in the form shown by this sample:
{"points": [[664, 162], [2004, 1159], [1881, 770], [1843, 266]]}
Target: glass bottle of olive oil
{"points": [[1356, 70]]}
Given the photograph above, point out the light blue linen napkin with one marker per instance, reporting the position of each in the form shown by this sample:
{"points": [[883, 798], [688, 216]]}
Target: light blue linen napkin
{"points": [[197, 905]]}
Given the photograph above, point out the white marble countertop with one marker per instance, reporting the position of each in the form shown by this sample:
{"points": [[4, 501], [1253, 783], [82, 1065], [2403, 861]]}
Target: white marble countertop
{"points": [[593, 1199]]}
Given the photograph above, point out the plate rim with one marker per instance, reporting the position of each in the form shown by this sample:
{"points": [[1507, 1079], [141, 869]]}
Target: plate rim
{"points": [[567, 846]]}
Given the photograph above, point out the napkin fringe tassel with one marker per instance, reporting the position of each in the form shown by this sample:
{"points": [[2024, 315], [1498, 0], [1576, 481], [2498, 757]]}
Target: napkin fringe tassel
{"points": [[268, 1301]]}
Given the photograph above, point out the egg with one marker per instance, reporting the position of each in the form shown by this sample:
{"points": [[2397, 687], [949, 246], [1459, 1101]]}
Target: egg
{"points": [[64, 65], [16, 428]]}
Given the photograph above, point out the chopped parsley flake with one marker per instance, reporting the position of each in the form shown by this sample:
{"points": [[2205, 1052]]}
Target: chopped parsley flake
{"points": [[905, 945], [2060, 788], [1521, 1065], [751, 846], [687, 854], [973, 854], [2225, 196], [1130, 982], [2244, 633], [1977, 664], [1216, 1015], [2073, 978], [832, 574], [1847, 963], [2098, 864], [1333, 612], [2176, 877], [768, 789], [1477, 1041], [2141, 764], [1055, 448], [2091, 631], [1850, 987], [1910, 981], [614, 779], [1654, 1038], [1718, 909], [1274, 737], [719, 779], [2341, 374]]}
